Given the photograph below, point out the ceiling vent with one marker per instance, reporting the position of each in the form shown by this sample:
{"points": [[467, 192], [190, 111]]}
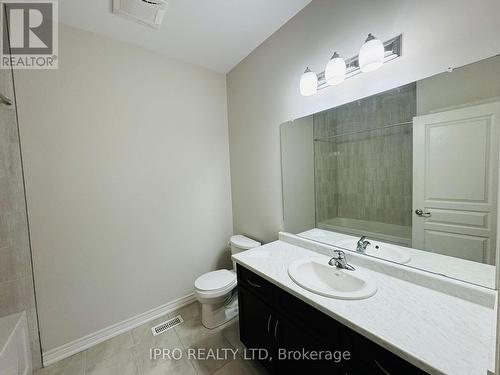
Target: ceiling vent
{"points": [[149, 12]]}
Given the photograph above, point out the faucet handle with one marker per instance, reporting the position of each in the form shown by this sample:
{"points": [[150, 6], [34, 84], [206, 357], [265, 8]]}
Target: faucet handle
{"points": [[338, 257], [339, 260], [340, 254], [362, 245]]}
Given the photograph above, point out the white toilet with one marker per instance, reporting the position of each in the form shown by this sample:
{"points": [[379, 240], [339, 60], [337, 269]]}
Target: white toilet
{"points": [[216, 291]]}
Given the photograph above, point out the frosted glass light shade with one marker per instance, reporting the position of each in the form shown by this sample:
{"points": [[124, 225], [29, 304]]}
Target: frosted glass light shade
{"points": [[335, 70], [308, 83], [371, 54]]}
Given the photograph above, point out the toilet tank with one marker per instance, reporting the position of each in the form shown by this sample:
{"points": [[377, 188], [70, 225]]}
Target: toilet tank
{"points": [[241, 243]]}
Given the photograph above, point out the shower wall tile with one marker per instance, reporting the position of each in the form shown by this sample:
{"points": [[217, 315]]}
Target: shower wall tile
{"points": [[11, 264], [11, 297], [361, 170], [16, 274], [325, 176]]}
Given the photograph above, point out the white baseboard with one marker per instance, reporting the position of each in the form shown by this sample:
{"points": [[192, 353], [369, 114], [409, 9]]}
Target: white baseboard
{"points": [[104, 334]]}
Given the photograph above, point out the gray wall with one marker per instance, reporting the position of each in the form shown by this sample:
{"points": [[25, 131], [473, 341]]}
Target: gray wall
{"points": [[127, 172], [263, 89], [360, 172], [16, 278]]}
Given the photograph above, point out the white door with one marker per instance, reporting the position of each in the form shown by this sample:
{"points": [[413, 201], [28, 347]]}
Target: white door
{"points": [[455, 179]]}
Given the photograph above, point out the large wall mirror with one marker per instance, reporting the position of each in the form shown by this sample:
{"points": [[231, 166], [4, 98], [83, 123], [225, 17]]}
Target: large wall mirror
{"points": [[413, 170]]}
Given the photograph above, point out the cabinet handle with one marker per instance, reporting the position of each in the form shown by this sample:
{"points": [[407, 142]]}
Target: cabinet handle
{"points": [[380, 367], [276, 330], [268, 325], [253, 284]]}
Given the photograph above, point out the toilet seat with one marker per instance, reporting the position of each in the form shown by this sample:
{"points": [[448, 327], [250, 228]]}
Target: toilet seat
{"points": [[215, 284]]}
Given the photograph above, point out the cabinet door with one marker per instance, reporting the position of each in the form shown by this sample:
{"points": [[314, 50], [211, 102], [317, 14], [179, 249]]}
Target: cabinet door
{"points": [[256, 322], [298, 352], [370, 358]]}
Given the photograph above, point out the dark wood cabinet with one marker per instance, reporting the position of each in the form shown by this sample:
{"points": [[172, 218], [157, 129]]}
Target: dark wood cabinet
{"points": [[295, 348], [294, 337], [259, 335]]}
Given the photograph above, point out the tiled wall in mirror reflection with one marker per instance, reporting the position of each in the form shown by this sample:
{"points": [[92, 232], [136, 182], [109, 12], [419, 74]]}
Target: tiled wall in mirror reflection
{"points": [[363, 159]]}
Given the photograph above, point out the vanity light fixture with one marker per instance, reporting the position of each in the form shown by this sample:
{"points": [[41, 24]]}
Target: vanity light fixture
{"points": [[369, 59], [335, 70], [371, 54], [308, 83]]}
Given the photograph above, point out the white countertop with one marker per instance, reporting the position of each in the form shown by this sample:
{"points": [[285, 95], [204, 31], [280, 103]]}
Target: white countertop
{"points": [[460, 269], [436, 332]]}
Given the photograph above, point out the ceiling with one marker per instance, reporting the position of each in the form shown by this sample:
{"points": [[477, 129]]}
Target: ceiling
{"points": [[215, 34]]}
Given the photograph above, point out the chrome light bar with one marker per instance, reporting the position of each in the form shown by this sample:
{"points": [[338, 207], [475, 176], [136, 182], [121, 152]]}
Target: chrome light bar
{"points": [[392, 47]]}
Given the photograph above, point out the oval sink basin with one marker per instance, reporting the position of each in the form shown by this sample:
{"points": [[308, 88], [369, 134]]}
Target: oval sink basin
{"points": [[319, 277], [380, 250]]}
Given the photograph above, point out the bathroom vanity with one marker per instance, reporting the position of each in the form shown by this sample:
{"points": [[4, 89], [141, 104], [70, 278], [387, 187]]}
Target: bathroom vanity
{"points": [[275, 320], [409, 326]]}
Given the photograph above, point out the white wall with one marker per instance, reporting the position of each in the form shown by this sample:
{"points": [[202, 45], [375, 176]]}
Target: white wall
{"points": [[297, 164], [263, 88], [127, 171]]}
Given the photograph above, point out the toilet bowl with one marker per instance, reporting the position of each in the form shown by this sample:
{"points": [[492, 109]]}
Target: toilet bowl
{"points": [[216, 290]]}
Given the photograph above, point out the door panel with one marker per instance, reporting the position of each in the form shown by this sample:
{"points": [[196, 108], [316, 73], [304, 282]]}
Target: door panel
{"points": [[457, 245], [465, 218], [455, 179], [457, 160]]}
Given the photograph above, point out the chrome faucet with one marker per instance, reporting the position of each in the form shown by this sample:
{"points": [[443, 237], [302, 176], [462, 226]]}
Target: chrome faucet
{"points": [[362, 245], [339, 260]]}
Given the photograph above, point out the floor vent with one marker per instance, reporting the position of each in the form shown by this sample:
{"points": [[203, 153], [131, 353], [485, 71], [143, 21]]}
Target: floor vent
{"points": [[165, 326]]}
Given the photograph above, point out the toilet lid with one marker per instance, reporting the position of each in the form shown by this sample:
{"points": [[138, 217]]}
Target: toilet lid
{"points": [[215, 280]]}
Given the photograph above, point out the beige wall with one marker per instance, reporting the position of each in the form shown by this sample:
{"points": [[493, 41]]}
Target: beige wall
{"points": [[127, 172], [263, 89], [469, 84], [297, 165]]}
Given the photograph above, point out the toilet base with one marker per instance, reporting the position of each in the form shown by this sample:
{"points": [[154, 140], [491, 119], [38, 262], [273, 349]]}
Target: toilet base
{"points": [[216, 314]]}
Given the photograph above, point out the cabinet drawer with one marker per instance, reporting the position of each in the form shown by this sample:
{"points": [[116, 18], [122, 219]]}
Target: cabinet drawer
{"points": [[256, 284]]}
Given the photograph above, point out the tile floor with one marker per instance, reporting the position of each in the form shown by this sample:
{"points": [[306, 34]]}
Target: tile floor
{"points": [[129, 353]]}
